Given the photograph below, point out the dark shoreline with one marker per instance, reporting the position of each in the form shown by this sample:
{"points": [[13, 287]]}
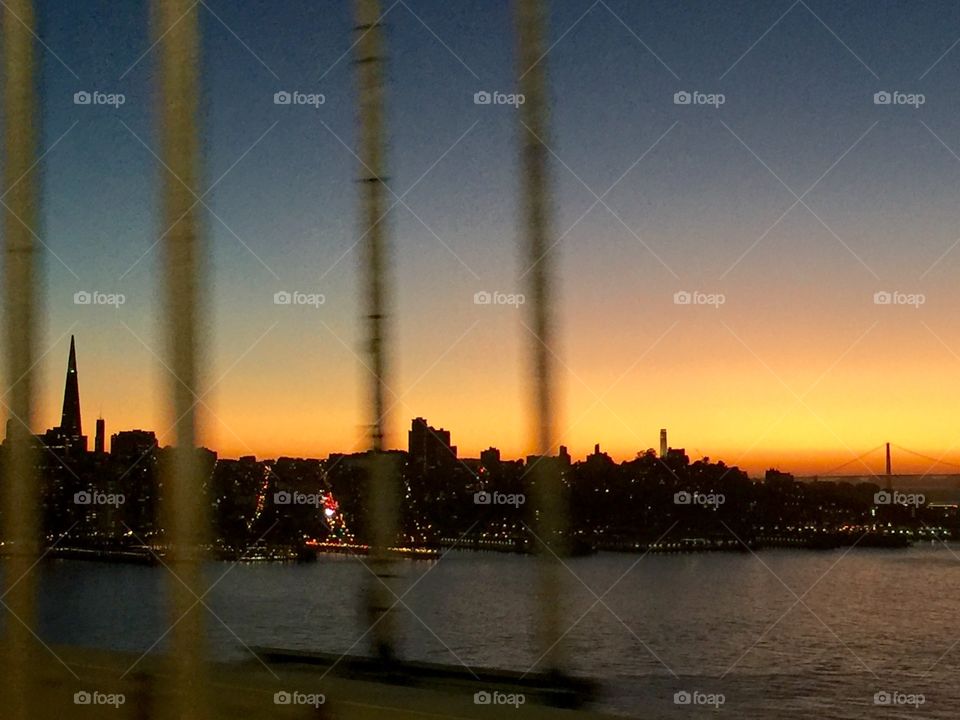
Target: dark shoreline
{"points": [[287, 554]]}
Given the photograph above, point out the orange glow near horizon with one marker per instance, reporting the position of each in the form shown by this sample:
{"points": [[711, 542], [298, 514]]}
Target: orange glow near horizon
{"points": [[800, 368], [747, 402]]}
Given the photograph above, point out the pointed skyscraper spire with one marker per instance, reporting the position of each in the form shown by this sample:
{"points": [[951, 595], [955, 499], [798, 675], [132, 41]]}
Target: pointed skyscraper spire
{"points": [[70, 419]]}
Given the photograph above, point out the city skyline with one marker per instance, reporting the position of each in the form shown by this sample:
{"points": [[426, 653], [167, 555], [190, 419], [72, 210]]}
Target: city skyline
{"points": [[798, 367], [68, 434], [317, 504], [590, 358]]}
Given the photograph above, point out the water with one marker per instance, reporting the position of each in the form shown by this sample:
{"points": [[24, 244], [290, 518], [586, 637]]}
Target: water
{"points": [[868, 621]]}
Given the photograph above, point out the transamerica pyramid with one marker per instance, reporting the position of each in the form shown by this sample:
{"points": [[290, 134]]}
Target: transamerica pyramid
{"points": [[70, 419]]}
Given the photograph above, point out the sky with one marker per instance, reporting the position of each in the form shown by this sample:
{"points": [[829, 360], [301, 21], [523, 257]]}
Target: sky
{"points": [[782, 207]]}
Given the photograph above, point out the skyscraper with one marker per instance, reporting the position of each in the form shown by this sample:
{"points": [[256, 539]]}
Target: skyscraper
{"points": [[70, 423], [69, 437], [429, 447]]}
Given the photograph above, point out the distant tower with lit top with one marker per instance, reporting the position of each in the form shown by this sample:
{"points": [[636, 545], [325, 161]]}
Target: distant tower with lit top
{"points": [[69, 435], [70, 422]]}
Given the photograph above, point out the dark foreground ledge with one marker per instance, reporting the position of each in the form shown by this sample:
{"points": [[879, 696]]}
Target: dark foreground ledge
{"points": [[550, 689], [69, 682]]}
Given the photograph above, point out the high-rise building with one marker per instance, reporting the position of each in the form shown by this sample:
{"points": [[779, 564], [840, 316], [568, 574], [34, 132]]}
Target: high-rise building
{"points": [[598, 457], [132, 444], [68, 437], [490, 458], [429, 447], [663, 442], [70, 422], [99, 443]]}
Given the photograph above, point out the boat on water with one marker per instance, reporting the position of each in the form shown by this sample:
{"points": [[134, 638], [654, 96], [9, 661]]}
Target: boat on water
{"points": [[263, 552]]}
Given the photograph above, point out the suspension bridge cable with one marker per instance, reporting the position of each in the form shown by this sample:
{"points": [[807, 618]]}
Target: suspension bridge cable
{"points": [[938, 461], [850, 462]]}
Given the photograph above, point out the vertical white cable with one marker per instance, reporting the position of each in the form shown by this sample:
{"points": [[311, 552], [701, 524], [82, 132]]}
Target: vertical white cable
{"points": [[183, 503], [382, 487], [535, 192], [21, 486]]}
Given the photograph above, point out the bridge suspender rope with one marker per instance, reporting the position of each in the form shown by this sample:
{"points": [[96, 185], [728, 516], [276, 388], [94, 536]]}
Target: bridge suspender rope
{"points": [[176, 23], [20, 506], [382, 481], [548, 494]]}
